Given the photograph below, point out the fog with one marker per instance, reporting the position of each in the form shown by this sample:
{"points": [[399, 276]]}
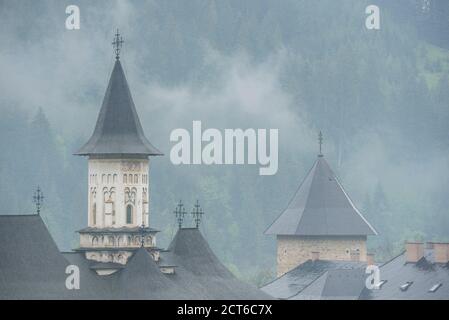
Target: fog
{"points": [[299, 67]]}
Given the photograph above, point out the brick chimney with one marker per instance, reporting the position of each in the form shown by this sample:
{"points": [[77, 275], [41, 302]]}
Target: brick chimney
{"points": [[315, 255], [370, 259], [414, 251], [441, 252]]}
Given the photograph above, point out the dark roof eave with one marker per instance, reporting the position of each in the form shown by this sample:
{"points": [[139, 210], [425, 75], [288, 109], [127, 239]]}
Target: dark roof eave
{"points": [[146, 154], [114, 249], [136, 231], [373, 233], [167, 266]]}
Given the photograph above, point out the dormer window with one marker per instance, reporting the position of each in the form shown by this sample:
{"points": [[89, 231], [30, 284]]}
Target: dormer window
{"points": [[435, 287], [406, 285]]}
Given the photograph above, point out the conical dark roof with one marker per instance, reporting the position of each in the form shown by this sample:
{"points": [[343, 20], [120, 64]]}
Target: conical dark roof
{"points": [[142, 279], [31, 266], [321, 207], [196, 255], [118, 129], [202, 272]]}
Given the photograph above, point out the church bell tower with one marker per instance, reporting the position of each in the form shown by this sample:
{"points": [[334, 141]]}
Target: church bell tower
{"points": [[118, 182]]}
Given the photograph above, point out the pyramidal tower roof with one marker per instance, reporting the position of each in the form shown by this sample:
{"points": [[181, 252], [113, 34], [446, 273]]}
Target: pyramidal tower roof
{"points": [[321, 207], [118, 129]]}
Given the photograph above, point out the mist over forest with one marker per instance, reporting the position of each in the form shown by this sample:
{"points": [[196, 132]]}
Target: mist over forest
{"points": [[380, 98]]}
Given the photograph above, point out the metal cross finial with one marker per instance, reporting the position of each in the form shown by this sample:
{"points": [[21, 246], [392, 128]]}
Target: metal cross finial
{"points": [[38, 199], [142, 235], [320, 141], [197, 213], [117, 44], [180, 212]]}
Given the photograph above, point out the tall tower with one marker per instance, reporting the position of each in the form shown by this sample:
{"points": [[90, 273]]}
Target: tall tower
{"points": [[320, 222], [118, 183]]}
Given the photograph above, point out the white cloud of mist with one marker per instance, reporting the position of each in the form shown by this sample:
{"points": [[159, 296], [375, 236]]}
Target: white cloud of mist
{"points": [[66, 72]]}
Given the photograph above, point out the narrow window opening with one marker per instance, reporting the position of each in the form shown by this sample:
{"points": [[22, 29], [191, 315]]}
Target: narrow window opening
{"points": [[129, 214]]}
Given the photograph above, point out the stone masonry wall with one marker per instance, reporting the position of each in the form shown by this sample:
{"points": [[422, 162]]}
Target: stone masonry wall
{"points": [[294, 250]]}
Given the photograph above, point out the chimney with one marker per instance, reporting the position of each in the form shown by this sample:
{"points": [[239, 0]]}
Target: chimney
{"points": [[315, 255], [414, 251], [441, 252], [370, 259]]}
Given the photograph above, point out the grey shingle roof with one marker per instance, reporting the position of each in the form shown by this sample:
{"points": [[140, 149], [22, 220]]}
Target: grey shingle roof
{"points": [[199, 269], [31, 267], [424, 274], [321, 207], [298, 279], [142, 279], [337, 284], [346, 280], [118, 130], [30, 264]]}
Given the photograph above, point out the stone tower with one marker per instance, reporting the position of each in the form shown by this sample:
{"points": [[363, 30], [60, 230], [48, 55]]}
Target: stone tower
{"points": [[118, 183], [320, 222]]}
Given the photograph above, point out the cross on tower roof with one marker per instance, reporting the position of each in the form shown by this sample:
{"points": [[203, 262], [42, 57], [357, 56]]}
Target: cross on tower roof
{"points": [[117, 44], [180, 212], [197, 213], [320, 142], [38, 199]]}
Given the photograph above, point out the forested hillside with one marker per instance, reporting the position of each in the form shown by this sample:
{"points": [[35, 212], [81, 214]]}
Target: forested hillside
{"points": [[380, 97]]}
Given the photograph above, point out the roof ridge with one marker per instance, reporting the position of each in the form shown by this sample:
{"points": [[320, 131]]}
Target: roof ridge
{"points": [[354, 207], [314, 168], [293, 197]]}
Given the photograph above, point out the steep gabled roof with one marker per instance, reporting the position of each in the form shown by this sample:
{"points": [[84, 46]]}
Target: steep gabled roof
{"points": [[31, 266], [200, 270], [423, 275], [321, 207], [118, 129], [196, 255], [337, 284], [142, 279], [304, 275]]}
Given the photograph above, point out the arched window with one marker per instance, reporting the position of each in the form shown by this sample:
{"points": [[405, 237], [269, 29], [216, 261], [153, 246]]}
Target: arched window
{"points": [[129, 214], [94, 214], [103, 178], [125, 176], [114, 178], [136, 178], [130, 178]]}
